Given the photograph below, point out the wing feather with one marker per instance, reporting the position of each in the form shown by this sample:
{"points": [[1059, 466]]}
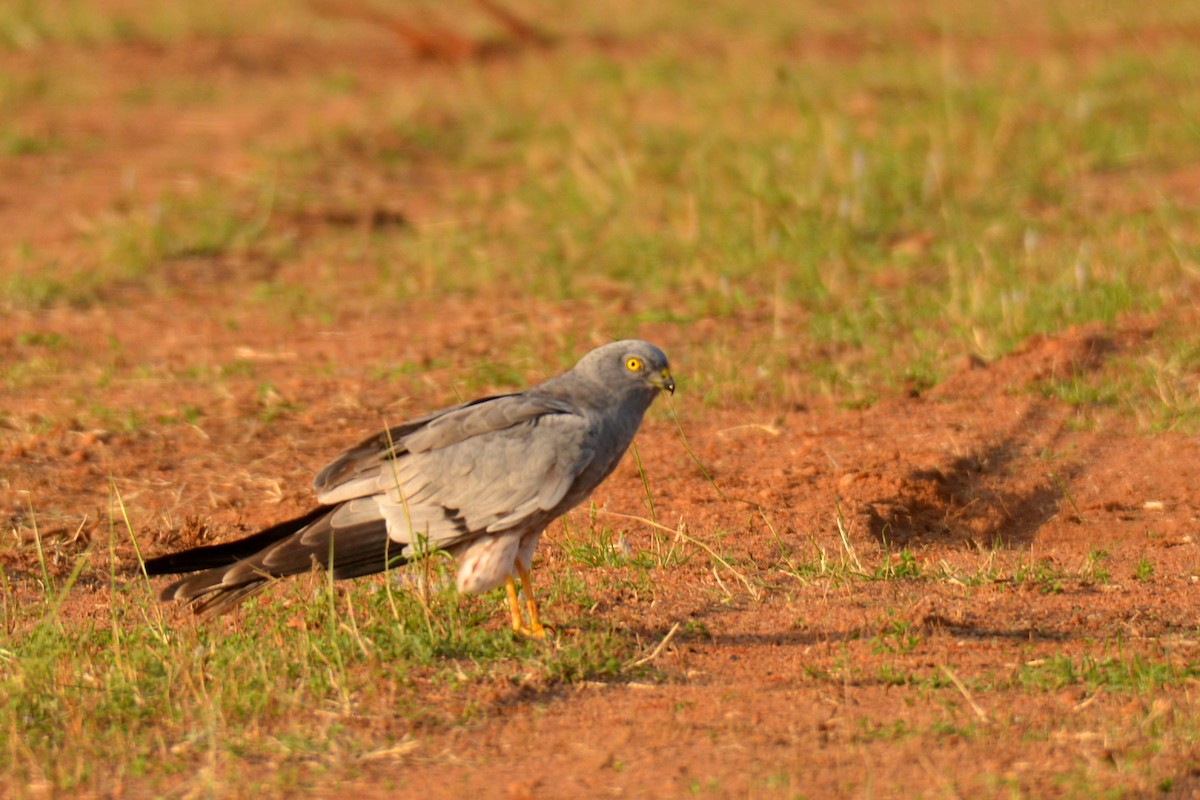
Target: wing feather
{"points": [[486, 483], [355, 472]]}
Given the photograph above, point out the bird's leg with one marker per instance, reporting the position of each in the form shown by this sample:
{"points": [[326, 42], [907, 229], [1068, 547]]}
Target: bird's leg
{"points": [[536, 629], [514, 607]]}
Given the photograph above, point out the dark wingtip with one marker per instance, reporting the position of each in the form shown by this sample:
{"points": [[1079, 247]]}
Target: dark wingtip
{"points": [[211, 556], [206, 594]]}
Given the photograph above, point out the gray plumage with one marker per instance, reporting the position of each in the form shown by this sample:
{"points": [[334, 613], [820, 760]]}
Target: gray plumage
{"points": [[481, 480]]}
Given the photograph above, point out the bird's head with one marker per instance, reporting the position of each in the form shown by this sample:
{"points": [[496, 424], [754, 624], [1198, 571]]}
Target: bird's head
{"points": [[630, 364], [644, 362]]}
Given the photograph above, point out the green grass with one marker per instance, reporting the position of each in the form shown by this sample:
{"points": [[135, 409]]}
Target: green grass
{"points": [[141, 247], [601, 546], [890, 211], [30, 26], [136, 687], [209, 223], [902, 208], [895, 636], [1136, 674], [1144, 569]]}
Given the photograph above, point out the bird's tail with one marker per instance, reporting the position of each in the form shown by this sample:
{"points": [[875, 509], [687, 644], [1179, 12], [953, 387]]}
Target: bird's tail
{"points": [[227, 574], [211, 591], [222, 555]]}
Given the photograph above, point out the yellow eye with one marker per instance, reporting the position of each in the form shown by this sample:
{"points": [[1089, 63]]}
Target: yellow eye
{"points": [[633, 364]]}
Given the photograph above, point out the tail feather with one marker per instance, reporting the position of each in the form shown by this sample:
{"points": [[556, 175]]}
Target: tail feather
{"points": [[206, 593], [226, 574], [220, 555]]}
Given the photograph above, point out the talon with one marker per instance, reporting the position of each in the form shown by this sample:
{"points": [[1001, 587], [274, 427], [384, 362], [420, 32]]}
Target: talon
{"points": [[533, 633], [534, 629]]}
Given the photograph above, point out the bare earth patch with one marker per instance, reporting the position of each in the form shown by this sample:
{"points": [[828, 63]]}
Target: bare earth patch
{"points": [[981, 538]]}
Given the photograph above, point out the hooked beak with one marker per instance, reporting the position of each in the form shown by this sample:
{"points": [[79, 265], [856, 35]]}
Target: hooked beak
{"points": [[663, 380]]}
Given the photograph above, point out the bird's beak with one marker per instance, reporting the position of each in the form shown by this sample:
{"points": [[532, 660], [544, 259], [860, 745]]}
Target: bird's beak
{"points": [[663, 380]]}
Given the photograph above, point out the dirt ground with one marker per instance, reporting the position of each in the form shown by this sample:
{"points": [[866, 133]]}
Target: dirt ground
{"points": [[1040, 527]]}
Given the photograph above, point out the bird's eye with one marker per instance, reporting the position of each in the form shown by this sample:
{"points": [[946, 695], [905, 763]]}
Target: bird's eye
{"points": [[633, 364]]}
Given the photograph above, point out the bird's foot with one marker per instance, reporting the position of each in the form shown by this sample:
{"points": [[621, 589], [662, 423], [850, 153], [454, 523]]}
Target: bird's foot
{"points": [[533, 631]]}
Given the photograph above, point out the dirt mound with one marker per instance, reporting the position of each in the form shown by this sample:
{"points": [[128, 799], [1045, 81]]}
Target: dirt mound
{"points": [[1077, 351], [988, 459]]}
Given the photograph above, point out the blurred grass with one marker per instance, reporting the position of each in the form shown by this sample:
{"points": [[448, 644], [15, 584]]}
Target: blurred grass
{"points": [[310, 680], [32, 26], [874, 192]]}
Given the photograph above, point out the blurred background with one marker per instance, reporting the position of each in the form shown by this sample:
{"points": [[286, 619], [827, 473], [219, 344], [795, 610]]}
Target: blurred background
{"points": [[850, 198]]}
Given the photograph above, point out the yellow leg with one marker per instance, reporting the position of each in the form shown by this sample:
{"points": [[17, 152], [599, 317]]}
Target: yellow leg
{"points": [[536, 629], [513, 606]]}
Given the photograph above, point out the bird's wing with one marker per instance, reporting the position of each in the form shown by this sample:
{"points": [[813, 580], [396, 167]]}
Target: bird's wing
{"points": [[336, 480], [372, 451], [480, 468]]}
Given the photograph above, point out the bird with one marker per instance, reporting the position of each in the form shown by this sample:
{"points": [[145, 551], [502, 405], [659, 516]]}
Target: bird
{"points": [[481, 480]]}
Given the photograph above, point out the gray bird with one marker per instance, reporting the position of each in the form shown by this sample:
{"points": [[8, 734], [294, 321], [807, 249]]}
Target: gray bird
{"points": [[481, 480]]}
